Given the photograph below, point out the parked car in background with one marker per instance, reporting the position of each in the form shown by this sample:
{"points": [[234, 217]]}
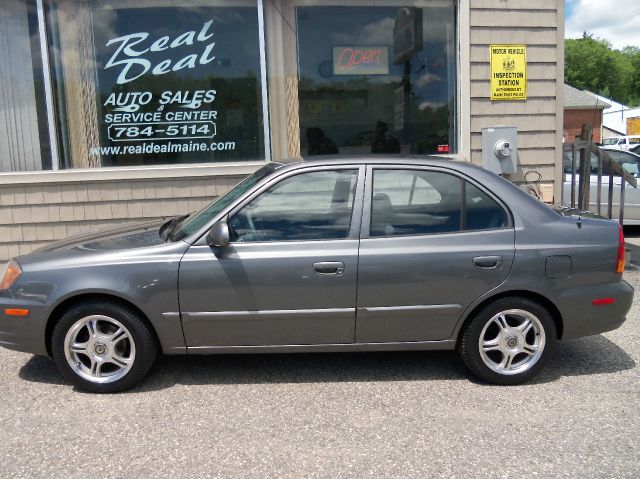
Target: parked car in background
{"points": [[621, 142], [630, 162], [329, 255]]}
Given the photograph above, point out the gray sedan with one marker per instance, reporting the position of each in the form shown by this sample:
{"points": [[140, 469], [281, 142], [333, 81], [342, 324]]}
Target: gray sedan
{"points": [[332, 255]]}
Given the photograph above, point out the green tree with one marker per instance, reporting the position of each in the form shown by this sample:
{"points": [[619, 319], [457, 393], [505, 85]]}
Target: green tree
{"points": [[632, 74], [591, 64]]}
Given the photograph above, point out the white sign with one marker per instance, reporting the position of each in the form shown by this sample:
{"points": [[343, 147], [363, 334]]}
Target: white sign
{"points": [[130, 53]]}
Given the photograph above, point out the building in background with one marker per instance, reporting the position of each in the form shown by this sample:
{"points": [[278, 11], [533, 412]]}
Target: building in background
{"points": [[121, 110], [620, 120], [582, 107]]}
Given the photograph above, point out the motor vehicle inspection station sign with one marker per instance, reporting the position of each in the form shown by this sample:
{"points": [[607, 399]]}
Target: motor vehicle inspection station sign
{"points": [[508, 72]]}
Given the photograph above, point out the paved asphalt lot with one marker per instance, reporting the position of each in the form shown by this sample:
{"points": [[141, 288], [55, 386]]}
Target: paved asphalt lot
{"points": [[334, 415]]}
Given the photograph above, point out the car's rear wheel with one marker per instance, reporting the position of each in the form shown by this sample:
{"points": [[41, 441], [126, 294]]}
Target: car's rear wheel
{"points": [[509, 341], [103, 347]]}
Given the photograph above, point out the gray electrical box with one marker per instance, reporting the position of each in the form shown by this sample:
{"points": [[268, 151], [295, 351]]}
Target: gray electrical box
{"points": [[500, 149]]}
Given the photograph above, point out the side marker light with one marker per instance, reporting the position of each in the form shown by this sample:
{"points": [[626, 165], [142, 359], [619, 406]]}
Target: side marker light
{"points": [[602, 301]]}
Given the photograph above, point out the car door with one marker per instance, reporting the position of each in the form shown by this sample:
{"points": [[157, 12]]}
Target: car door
{"points": [[288, 276], [432, 243]]}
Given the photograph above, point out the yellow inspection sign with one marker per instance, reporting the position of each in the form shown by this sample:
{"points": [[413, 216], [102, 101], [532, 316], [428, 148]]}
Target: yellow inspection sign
{"points": [[508, 72]]}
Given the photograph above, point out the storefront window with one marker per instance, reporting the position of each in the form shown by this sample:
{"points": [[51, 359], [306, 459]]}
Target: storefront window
{"points": [[360, 79], [120, 83], [147, 82], [24, 144], [376, 79]]}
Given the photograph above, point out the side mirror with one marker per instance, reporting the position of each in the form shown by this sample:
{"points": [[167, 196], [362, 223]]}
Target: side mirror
{"points": [[218, 236]]}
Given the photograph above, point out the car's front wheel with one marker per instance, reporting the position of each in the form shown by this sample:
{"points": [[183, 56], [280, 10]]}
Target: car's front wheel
{"points": [[508, 341], [102, 346]]}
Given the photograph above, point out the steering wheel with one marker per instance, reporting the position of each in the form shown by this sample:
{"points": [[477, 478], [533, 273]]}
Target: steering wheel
{"points": [[243, 226]]}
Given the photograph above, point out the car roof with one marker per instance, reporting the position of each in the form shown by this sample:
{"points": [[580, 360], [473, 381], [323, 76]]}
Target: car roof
{"points": [[633, 154], [505, 190], [407, 160]]}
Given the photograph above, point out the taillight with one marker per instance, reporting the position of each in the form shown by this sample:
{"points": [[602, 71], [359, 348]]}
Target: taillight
{"points": [[620, 264]]}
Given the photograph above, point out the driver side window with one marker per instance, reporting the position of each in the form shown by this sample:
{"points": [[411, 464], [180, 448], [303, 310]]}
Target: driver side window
{"points": [[310, 206]]}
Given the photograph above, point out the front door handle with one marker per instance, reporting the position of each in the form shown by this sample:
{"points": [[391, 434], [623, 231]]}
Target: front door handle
{"points": [[329, 267], [488, 262]]}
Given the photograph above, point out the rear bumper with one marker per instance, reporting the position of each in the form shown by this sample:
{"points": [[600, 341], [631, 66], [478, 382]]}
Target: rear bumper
{"points": [[23, 333], [581, 318]]}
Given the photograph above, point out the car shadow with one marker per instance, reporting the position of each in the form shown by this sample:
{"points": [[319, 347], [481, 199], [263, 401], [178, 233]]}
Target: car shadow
{"points": [[586, 356]]}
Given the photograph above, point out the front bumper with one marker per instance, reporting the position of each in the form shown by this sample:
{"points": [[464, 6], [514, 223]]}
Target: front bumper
{"points": [[23, 333]]}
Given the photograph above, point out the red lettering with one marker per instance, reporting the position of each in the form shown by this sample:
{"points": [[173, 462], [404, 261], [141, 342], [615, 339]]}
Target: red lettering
{"points": [[349, 53], [350, 57], [355, 60]]}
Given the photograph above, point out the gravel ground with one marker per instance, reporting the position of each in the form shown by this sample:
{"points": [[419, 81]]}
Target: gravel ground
{"points": [[329, 415]]}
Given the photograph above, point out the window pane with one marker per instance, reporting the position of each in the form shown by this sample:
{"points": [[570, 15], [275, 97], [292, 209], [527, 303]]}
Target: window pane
{"points": [[154, 82], [193, 223], [481, 211], [376, 79], [24, 142], [409, 202], [626, 160], [309, 206]]}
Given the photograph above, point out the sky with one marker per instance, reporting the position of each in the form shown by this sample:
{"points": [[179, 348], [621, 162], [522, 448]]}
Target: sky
{"points": [[617, 21]]}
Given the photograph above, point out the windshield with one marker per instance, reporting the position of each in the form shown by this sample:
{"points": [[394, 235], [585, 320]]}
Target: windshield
{"points": [[610, 141], [196, 221]]}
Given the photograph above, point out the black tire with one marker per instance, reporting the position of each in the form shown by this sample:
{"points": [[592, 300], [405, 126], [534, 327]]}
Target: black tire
{"points": [[488, 365], [138, 345]]}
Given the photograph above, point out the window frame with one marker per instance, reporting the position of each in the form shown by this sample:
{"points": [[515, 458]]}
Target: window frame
{"points": [[461, 130], [356, 214], [365, 232], [59, 131]]}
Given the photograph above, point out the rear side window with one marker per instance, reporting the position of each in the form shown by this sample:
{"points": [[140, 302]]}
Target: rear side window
{"points": [[410, 202], [481, 211], [415, 202]]}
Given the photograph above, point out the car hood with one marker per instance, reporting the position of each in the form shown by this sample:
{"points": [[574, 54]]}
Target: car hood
{"points": [[122, 237]]}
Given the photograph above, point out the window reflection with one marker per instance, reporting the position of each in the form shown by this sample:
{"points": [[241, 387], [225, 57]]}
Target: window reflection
{"points": [[309, 206], [153, 82], [376, 79]]}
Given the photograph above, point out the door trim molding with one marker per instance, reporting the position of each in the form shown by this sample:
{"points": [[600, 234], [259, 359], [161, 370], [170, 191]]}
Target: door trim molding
{"points": [[448, 344], [267, 314], [416, 307]]}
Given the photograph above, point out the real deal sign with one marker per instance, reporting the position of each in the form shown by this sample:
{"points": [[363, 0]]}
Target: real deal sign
{"points": [[508, 72]]}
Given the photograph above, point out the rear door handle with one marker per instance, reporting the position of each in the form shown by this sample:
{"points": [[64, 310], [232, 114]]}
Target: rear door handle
{"points": [[329, 267], [488, 262]]}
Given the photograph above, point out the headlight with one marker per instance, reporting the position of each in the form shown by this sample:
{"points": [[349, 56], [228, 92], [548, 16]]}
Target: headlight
{"points": [[11, 273]]}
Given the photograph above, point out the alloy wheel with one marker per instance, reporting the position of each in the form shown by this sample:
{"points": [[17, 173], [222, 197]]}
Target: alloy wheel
{"points": [[511, 342], [99, 349]]}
